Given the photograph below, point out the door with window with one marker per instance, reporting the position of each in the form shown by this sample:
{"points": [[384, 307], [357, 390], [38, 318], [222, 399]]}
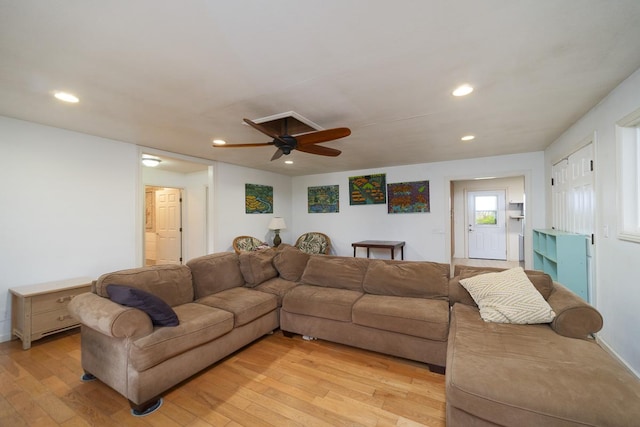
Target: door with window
{"points": [[487, 234]]}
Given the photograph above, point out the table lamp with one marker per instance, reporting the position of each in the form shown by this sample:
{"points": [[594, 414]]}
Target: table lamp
{"points": [[277, 224]]}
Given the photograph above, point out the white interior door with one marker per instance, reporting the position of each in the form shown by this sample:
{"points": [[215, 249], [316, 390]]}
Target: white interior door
{"points": [[169, 226], [573, 200], [487, 235], [573, 194]]}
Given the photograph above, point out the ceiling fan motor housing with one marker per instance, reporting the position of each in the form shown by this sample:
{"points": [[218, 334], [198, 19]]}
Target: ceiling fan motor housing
{"points": [[289, 144]]}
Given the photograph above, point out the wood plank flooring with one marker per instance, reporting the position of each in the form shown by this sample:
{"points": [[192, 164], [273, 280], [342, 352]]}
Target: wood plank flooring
{"points": [[276, 381]]}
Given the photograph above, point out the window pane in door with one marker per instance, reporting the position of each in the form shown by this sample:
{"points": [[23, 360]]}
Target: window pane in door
{"points": [[486, 210]]}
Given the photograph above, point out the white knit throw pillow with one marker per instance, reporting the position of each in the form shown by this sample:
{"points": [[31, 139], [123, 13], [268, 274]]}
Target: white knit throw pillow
{"points": [[508, 297]]}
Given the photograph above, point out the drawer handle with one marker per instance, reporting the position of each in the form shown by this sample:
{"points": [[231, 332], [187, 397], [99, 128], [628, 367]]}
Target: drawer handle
{"points": [[63, 299], [65, 317]]}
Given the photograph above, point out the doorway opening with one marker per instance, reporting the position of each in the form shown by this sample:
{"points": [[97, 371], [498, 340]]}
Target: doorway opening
{"points": [[488, 222], [163, 225], [194, 178]]}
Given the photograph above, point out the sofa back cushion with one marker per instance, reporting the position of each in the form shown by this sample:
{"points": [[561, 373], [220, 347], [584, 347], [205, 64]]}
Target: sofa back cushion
{"points": [[257, 266], [457, 293], [290, 262], [170, 282], [418, 279], [214, 273], [335, 272]]}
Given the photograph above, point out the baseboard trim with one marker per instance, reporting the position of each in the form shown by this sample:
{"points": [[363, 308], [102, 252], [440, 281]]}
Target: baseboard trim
{"points": [[613, 353]]}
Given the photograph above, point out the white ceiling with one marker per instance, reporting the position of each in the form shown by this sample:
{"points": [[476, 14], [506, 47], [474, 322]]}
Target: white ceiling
{"points": [[173, 75]]}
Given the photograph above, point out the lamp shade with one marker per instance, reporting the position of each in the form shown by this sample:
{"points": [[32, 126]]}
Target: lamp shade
{"points": [[277, 223]]}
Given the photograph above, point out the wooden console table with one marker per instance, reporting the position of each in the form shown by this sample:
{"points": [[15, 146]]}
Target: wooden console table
{"points": [[41, 310], [392, 245]]}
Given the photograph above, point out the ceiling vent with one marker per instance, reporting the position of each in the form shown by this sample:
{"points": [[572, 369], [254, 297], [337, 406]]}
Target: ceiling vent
{"points": [[289, 123]]}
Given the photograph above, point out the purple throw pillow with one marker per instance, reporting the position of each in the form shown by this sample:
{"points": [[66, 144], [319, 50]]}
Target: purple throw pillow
{"points": [[160, 312]]}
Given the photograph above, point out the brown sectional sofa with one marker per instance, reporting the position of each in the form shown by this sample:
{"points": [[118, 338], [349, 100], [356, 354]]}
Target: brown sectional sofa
{"points": [[392, 307], [497, 374]]}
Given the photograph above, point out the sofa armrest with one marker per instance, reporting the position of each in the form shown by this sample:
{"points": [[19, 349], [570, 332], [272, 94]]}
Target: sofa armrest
{"points": [[108, 317], [574, 317]]}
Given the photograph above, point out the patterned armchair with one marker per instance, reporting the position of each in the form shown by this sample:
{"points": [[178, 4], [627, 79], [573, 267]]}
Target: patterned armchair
{"points": [[314, 243], [248, 244]]}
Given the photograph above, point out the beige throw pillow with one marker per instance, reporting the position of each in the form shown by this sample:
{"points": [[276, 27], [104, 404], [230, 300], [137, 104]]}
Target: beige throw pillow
{"points": [[508, 297]]}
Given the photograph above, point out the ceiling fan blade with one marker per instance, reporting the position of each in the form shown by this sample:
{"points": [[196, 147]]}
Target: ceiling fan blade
{"points": [[322, 136], [277, 155], [263, 129], [258, 144], [319, 149]]}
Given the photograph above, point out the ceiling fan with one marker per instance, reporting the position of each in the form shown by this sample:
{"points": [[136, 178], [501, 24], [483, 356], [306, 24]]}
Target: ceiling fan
{"points": [[306, 142]]}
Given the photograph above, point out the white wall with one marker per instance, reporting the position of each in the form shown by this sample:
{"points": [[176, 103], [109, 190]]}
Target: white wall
{"points": [[426, 234], [230, 218], [68, 207], [616, 287], [73, 206]]}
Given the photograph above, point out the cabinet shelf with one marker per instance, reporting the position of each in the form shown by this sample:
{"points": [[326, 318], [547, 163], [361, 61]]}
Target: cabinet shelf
{"points": [[563, 256]]}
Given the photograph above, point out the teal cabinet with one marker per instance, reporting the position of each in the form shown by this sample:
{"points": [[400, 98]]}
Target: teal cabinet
{"points": [[563, 256]]}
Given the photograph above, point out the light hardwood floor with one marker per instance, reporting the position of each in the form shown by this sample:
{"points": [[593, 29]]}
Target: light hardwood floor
{"points": [[276, 381]]}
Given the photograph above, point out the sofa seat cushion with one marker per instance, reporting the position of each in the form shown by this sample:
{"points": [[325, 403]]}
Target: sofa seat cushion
{"points": [[245, 304], [199, 324], [318, 301], [276, 286], [528, 375], [419, 317]]}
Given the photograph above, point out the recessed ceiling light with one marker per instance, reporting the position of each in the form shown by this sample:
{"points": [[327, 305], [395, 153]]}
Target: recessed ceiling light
{"points": [[462, 90], [467, 137], [289, 162], [486, 177], [219, 141], [66, 97]]}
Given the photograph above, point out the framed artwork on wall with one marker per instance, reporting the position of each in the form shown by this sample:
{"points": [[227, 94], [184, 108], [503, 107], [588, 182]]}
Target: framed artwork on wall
{"points": [[323, 199], [408, 197], [367, 189], [258, 199]]}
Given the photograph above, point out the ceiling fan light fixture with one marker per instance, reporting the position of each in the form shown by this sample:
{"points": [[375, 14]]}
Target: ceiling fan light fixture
{"points": [[219, 142], [462, 90], [151, 162]]}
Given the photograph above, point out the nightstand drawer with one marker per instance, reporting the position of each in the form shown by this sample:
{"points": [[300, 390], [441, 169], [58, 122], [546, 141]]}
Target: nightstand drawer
{"points": [[55, 300], [52, 321]]}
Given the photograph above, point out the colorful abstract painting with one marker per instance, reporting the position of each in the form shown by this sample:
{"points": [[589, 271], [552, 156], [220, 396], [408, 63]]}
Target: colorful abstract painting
{"points": [[367, 189], [258, 199], [408, 197], [324, 199]]}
